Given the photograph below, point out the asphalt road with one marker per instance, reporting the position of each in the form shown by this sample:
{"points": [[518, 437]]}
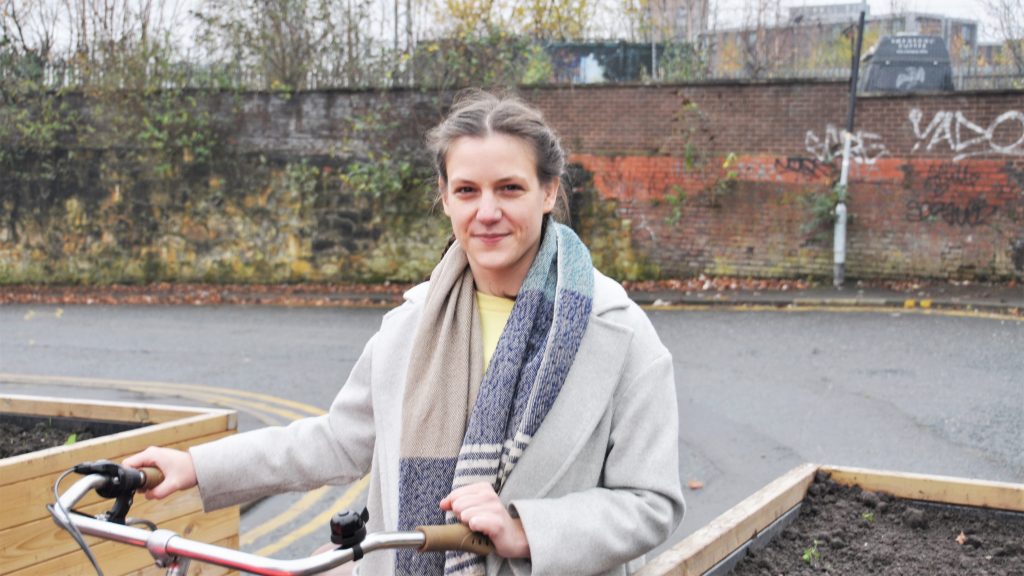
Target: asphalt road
{"points": [[759, 392]]}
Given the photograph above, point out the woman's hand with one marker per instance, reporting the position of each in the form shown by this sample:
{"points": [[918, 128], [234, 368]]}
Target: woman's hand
{"points": [[177, 467], [479, 507]]}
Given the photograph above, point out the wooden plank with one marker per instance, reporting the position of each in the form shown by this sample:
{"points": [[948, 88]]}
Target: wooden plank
{"points": [[25, 501], [55, 460], [94, 409], [117, 558], [710, 544], [35, 541], [945, 489], [33, 544]]}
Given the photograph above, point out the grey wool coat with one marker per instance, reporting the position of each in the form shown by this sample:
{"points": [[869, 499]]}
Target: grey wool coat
{"points": [[597, 488]]}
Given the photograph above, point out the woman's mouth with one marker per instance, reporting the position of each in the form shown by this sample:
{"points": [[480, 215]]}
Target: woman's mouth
{"points": [[490, 237]]}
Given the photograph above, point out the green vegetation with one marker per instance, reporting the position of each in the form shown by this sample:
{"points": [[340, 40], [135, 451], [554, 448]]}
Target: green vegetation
{"points": [[821, 213], [811, 554]]}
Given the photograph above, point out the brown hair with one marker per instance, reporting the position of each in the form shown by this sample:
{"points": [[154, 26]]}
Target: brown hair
{"points": [[477, 113]]}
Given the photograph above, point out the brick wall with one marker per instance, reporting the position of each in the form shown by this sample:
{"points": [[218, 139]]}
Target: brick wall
{"points": [[668, 181], [720, 179]]}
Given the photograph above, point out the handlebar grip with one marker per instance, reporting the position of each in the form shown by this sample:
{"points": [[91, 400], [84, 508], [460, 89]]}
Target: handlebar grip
{"points": [[153, 476], [454, 537]]}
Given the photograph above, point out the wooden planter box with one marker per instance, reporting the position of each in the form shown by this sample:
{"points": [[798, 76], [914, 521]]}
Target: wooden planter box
{"points": [[717, 547], [33, 544]]}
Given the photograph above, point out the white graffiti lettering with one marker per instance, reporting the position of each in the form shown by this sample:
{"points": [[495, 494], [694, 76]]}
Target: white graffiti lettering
{"points": [[965, 137], [865, 147]]}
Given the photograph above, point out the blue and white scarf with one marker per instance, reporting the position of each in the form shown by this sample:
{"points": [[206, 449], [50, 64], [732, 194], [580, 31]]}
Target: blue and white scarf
{"points": [[459, 429]]}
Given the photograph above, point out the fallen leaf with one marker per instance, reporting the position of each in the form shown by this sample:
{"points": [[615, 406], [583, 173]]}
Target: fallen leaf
{"points": [[58, 313], [695, 484], [961, 539]]}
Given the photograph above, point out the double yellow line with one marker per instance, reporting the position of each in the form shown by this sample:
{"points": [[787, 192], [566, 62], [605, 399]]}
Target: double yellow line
{"points": [[909, 307], [267, 409]]}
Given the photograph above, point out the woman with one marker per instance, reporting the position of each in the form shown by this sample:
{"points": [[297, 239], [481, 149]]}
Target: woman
{"points": [[534, 403]]}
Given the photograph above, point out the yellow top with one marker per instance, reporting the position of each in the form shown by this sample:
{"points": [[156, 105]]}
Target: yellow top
{"points": [[494, 314]]}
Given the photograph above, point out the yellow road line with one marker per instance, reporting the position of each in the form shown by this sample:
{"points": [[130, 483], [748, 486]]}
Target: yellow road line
{"points": [[957, 313], [216, 400], [293, 512], [307, 409], [319, 521]]}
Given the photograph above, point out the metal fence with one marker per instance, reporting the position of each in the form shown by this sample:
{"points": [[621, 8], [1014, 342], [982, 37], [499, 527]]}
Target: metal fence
{"points": [[631, 64]]}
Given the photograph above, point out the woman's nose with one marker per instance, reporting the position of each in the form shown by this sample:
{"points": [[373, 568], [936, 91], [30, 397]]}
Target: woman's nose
{"points": [[490, 209]]}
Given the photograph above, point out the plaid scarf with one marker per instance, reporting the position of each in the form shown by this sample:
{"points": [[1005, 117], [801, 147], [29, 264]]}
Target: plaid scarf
{"points": [[459, 429]]}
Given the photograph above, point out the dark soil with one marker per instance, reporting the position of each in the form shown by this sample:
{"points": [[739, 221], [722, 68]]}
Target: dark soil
{"points": [[844, 530], [21, 434], [16, 439]]}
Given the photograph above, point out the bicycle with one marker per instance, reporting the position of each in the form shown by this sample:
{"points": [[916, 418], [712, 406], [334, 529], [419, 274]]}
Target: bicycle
{"points": [[173, 552]]}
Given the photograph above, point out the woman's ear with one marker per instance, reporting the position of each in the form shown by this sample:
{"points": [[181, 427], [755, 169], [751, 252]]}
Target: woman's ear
{"points": [[442, 194], [551, 195]]}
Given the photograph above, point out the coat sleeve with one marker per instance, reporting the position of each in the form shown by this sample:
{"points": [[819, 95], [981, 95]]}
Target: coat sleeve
{"points": [[335, 448], [639, 501]]}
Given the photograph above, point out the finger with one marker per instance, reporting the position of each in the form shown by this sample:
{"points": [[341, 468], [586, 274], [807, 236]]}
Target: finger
{"points": [[474, 501], [144, 458], [475, 488], [465, 496], [487, 523], [160, 491]]}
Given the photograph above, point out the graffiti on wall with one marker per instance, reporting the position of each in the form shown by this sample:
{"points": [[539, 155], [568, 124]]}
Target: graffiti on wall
{"points": [[809, 167], [865, 147], [974, 212], [945, 177], [1004, 135], [939, 199]]}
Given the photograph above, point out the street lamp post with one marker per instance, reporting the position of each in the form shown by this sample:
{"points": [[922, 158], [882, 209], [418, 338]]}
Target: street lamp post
{"points": [[839, 237]]}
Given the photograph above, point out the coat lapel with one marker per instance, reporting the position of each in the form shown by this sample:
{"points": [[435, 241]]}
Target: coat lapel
{"points": [[584, 398]]}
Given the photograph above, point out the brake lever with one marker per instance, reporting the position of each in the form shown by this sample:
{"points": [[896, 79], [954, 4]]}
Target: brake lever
{"points": [[123, 482]]}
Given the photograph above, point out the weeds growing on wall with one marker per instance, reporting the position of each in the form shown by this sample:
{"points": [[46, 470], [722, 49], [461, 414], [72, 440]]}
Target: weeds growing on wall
{"points": [[605, 230], [821, 214], [725, 182], [397, 193]]}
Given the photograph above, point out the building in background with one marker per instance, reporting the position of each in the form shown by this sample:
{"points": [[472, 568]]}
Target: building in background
{"points": [[828, 13], [815, 41], [679, 20]]}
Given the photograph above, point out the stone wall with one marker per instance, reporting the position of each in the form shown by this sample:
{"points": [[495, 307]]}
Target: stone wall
{"points": [[667, 181]]}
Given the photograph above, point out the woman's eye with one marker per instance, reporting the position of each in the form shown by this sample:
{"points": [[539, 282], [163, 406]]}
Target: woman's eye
{"points": [[512, 187], [463, 190]]}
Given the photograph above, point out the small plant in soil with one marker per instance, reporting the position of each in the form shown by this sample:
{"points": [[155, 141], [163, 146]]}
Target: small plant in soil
{"points": [[811, 554]]}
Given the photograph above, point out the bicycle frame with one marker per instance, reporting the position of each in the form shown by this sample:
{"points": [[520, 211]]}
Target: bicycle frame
{"points": [[174, 552]]}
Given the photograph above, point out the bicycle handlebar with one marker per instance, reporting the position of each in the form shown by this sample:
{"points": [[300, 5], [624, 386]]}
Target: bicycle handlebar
{"points": [[150, 478], [165, 545], [454, 537]]}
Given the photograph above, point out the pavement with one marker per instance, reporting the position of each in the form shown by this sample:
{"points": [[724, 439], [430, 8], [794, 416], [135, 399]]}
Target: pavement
{"points": [[990, 298]]}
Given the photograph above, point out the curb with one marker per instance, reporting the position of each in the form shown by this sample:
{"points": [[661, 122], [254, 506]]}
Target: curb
{"points": [[1009, 308], [1002, 301]]}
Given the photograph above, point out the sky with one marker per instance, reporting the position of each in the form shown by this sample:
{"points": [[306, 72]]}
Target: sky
{"points": [[732, 10], [730, 13]]}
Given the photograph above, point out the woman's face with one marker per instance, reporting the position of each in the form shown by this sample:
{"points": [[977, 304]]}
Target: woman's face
{"points": [[496, 205]]}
